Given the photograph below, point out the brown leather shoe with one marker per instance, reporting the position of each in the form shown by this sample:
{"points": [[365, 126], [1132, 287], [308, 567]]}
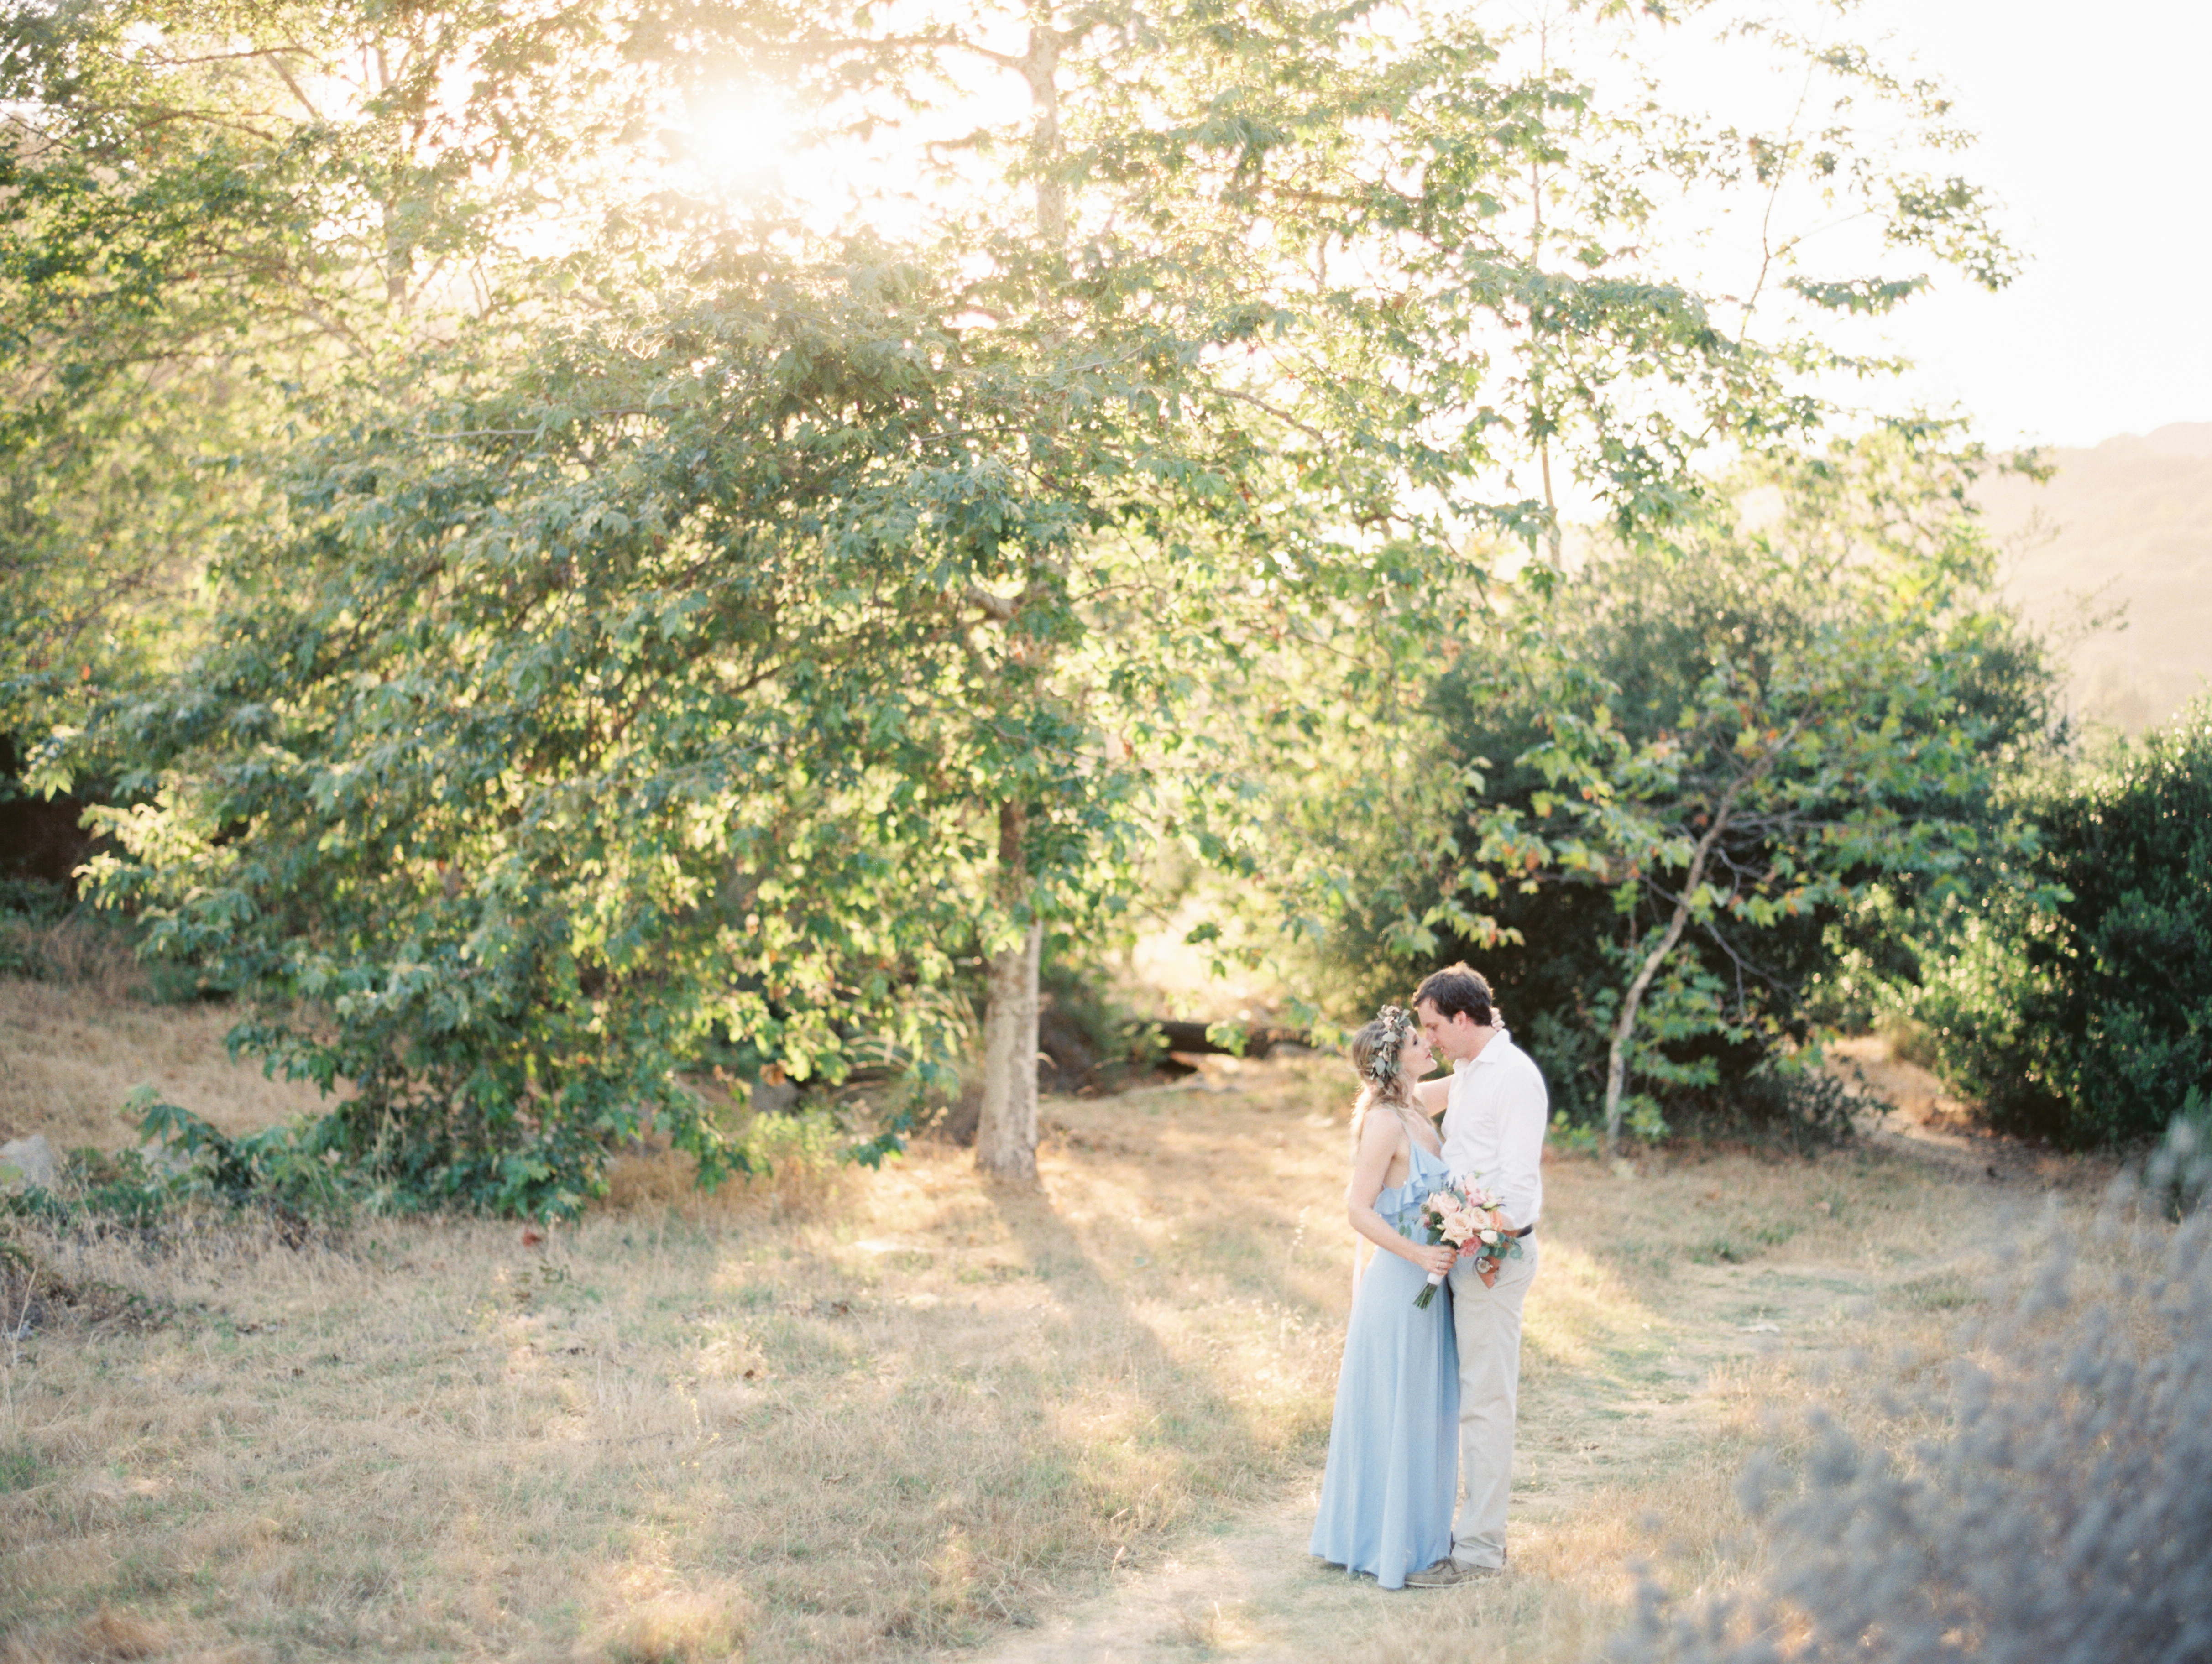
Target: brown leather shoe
{"points": [[1447, 1572]]}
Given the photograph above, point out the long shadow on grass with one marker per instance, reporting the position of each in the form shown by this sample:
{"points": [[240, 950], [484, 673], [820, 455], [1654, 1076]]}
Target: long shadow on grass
{"points": [[1145, 1439], [929, 1453]]}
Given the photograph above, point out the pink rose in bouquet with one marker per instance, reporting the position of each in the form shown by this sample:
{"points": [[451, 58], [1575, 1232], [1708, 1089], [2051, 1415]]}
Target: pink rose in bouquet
{"points": [[1467, 1216]]}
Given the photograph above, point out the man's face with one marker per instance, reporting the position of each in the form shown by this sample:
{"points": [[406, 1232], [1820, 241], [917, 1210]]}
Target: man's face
{"points": [[1453, 1037]]}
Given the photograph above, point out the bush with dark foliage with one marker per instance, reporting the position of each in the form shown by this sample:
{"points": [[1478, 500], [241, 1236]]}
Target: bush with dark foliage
{"points": [[2086, 1020], [1720, 1039]]}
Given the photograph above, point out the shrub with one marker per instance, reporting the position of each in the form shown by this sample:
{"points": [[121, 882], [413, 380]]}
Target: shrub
{"points": [[2081, 1013], [290, 1171], [291, 1167], [2061, 1516], [101, 1187], [1704, 773]]}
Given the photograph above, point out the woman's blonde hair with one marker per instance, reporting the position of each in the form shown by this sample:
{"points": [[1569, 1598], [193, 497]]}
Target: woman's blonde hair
{"points": [[1376, 1052]]}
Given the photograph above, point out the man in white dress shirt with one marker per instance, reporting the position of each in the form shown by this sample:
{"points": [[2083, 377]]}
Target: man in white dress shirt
{"points": [[1495, 1109]]}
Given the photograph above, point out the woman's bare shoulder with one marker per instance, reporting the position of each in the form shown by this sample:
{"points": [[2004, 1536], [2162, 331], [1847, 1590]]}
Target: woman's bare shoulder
{"points": [[1381, 1131]]}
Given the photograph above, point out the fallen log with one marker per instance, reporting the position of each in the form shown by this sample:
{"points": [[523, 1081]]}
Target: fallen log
{"points": [[1171, 1035]]}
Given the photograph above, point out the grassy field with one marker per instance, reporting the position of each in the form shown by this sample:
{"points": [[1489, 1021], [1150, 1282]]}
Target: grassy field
{"points": [[908, 1414]]}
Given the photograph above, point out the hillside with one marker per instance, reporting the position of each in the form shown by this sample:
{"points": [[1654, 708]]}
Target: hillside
{"points": [[2123, 530]]}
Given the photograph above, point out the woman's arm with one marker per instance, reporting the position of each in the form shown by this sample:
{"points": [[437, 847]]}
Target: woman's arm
{"points": [[1433, 1096], [1371, 1165]]}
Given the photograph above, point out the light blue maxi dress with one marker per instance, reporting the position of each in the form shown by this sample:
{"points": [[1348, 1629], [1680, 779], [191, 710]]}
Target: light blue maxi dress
{"points": [[1393, 1475]]}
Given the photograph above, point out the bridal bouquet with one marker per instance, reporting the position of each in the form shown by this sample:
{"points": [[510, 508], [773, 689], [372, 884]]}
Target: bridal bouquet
{"points": [[1466, 1216]]}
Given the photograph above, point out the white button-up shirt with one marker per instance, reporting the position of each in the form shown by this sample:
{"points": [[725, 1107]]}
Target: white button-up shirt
{"points": [[1494, 1123]]}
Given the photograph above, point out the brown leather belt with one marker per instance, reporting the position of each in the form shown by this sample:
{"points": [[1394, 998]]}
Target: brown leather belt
{"points": [[1523, 1231]]}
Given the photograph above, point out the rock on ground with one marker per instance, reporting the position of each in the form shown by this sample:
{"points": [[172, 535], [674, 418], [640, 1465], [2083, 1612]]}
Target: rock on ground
{"points": [[33, 1160]]}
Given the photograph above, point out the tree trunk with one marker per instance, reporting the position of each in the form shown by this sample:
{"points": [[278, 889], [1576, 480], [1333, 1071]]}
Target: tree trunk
{"points": [[1040, 69], [1006, 1128], [1616, 1062], [1006, 1131]]}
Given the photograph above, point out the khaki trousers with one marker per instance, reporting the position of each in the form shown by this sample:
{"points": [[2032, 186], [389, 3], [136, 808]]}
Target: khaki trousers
{"points": [[1486, 1323]]}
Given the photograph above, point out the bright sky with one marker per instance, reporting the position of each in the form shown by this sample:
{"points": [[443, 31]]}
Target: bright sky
{"points": [[2096, 134], [2096, 131]]}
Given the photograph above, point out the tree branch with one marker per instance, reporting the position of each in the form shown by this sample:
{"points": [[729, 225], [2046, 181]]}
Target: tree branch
{"points": [[1616, 1073]]}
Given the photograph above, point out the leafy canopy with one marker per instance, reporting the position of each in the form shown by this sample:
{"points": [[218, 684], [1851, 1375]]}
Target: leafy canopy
{"points": [[639, 620]]}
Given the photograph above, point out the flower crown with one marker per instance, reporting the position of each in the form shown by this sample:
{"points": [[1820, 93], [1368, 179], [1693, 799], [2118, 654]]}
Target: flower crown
{"points": [[1397, 1028]]}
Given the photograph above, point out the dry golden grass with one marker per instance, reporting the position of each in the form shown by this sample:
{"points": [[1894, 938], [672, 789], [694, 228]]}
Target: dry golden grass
{"points": [[78, 948], [1680, 1319], [880, 1415], [749, 1421], [71, 1051]]}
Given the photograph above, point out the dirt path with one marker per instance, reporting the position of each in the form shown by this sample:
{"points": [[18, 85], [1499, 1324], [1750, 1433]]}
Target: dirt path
{"points": [[1928, 1123]]}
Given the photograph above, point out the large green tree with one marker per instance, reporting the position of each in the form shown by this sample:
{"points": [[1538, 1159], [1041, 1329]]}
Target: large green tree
{"points": [[1802, 697], [1416, 256], [720, 617], [655, 693], [1668, 795]]}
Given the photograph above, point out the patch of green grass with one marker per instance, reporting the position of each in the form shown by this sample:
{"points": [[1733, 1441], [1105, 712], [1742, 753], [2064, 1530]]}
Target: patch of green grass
{"points": [[1741, 1244], [19, 1467], [1943, 1291]]}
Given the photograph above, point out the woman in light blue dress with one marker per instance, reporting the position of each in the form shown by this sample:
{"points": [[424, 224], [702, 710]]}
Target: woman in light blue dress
{"points": [[1393, 1476]]}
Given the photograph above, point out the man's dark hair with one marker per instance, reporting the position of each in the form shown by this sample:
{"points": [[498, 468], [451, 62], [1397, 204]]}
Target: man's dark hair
{"points": [[1458, 988]]}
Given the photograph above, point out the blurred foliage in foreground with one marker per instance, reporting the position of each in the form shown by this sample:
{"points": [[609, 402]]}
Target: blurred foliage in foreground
{"points": [[2059, 1509]]}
